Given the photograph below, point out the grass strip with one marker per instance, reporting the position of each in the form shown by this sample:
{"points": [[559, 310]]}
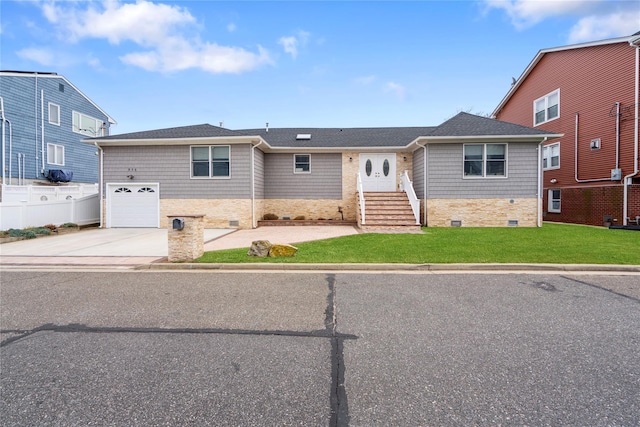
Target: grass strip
{"points": [[551, 243]]}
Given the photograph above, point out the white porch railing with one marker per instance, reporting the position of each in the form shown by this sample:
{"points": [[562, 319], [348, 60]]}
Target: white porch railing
{"points": [[361, 198], [407, 186], [44, 193], [82, 211]]}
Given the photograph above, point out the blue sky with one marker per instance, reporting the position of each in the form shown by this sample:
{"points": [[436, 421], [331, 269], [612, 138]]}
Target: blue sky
{"points": [[156, 64]]}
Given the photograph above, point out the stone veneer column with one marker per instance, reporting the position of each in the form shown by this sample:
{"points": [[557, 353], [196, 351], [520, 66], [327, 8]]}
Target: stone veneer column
{"points": [[186, 244]]}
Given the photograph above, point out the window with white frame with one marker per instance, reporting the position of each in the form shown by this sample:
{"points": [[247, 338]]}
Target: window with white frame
{"points": [[302, 163], [86, 125], [54, 114], [546, 108], [55, 154], [485, 160], [551, 156], [554, 201], [212, 161]]}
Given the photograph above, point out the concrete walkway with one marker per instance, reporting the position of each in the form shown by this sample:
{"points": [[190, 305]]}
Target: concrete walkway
{"points": [[139, 246]]}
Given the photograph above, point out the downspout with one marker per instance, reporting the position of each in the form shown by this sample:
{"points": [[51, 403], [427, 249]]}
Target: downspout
{"points": [[101, 170], [10, 151], [35, 127], [424, 179], [540, 186], [254, 223], [576, 157], [627, 179], [42, 129], [4, 155]]}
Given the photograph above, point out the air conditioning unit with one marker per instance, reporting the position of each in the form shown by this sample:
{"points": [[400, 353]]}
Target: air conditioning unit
{"points": [[595, 144]]}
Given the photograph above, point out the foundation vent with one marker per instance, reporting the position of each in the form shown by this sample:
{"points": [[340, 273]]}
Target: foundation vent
{"points": [[456, 223], [234, 223], [512, 223]]}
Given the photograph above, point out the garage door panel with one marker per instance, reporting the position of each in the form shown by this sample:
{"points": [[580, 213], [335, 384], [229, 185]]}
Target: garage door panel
{"points": [[133, 205]]}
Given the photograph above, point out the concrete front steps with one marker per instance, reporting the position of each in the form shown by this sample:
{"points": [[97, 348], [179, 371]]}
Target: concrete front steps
{"points": [[388, 212]]}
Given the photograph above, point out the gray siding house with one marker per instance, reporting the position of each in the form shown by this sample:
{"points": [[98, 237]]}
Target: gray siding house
{"points": [[469, 171]]}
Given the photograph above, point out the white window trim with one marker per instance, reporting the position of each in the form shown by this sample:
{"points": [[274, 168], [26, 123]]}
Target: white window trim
{"points": [[546, 107], [57, 119], [53, 148], [99, 130], [484, 162], [210, 168], [547, 149], [550, 199], [294, 164]]}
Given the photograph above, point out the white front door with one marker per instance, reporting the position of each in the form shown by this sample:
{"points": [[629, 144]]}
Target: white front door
{"points": [[378, 171]]}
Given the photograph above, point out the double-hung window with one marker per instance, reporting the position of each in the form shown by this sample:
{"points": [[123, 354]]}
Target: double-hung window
{"points": [[86, 125], [212, 161], [302, 163], [551, 156], [554, 201], [55, 154], [546, 108], [54, 114], [485, 160]]}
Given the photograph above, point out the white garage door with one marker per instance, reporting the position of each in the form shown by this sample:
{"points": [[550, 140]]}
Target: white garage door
{"points": [[133, 205]]}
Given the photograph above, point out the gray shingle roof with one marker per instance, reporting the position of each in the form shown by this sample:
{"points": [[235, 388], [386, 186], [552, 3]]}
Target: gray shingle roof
{"points": [[195, 131], [465, 124], [461, 125], [340, 137]]}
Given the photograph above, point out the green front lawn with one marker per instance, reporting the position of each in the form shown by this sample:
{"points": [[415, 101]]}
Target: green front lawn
{"points": [[552, 243]]}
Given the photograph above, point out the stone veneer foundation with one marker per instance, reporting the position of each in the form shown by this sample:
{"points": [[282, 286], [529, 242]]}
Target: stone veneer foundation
{"points": [[219, 213], [481, 212]]}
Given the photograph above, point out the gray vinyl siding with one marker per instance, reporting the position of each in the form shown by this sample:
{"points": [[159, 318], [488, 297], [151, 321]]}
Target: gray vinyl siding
{"points": [[259, 174], [445, 174], [171, 167], [324, 181], [418, 172]]}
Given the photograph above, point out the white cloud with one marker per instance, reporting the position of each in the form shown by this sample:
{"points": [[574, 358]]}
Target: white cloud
{"points": [[596, 19], [397, 90], [365, 80], [167, 32], [291, 44], [41, 56], [623, 23]]}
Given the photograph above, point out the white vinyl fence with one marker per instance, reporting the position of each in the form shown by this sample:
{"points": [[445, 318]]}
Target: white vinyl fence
{"points": [[45, 193], [82, 211]]}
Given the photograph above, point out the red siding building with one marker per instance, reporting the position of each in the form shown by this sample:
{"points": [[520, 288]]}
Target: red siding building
{"points": [[589, 93]]}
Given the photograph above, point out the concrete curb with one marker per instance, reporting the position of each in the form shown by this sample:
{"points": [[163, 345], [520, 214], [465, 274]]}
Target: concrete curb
{"points": [[393, 267]]}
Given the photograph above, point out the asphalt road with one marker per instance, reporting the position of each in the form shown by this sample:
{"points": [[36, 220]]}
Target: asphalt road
{"points": [[209, 348]]}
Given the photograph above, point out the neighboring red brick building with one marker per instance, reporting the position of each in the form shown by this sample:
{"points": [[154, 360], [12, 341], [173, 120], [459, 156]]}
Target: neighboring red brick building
{"points": [[589, 93]]}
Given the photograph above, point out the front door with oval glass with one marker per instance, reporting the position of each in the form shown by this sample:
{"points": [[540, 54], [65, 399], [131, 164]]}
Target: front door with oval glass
{"points": [[378, 171]]}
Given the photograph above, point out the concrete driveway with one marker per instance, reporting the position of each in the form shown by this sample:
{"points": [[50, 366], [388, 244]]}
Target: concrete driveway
{"points": [[127, 246]]}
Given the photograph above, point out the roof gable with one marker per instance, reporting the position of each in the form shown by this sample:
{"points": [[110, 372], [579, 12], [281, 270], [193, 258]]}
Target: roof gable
{"points": [[541, 53]]}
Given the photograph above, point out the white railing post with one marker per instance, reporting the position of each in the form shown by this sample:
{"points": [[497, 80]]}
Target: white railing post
{"points": [[361, 198], [407, 186]]}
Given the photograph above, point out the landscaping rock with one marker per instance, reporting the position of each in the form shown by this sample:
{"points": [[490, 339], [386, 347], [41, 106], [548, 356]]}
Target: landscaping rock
{"points": [[259, 248], [282, 250]]}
